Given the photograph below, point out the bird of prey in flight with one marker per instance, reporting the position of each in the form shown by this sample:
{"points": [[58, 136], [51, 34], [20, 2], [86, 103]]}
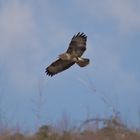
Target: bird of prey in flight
{"points": [[73, 55]]}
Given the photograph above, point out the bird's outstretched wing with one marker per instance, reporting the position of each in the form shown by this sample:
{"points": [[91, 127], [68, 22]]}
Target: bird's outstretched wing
{"points": [[58, 66], [73, 55], [77, 45]]}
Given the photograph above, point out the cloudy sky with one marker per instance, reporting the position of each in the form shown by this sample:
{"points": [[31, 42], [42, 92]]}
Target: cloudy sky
{"points": [[34, 33]]}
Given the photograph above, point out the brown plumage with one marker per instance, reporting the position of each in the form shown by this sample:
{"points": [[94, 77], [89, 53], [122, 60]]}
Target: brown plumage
{"points": [[73, 55]]}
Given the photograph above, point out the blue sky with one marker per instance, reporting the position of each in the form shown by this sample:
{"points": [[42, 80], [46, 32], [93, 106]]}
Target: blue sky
{"points": [[34, 33]]}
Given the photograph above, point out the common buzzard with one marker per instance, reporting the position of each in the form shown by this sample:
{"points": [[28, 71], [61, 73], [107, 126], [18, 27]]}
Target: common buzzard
{"points": [[73, 55]]}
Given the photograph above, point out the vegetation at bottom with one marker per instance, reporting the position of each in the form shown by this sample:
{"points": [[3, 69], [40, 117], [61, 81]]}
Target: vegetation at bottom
{"points": [[91, 129]]}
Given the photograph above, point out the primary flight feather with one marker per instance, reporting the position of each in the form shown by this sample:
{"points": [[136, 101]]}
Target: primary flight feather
{"points": [[73, 55]]}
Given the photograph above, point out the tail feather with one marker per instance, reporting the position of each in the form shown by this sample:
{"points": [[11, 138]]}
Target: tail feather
{"points": [[82, 62]]}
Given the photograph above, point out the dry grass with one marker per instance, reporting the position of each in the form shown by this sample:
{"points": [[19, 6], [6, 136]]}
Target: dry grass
{"points": [[113, 129]]}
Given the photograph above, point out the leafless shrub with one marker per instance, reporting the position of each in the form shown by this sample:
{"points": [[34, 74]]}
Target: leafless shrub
{"points": [[113, 129], [38, 105], [90, 86]]}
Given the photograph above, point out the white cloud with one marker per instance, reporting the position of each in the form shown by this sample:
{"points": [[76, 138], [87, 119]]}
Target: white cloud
{"points": [[124, 13], [21, 50], [25, 25], [108, 51], [17, 38], [16, 21], [107, 68]]}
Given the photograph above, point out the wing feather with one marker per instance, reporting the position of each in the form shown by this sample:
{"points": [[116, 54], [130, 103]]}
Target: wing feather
{"points": [[58, 66], [77, 45]]}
